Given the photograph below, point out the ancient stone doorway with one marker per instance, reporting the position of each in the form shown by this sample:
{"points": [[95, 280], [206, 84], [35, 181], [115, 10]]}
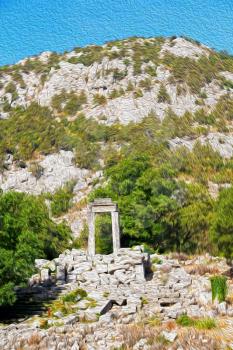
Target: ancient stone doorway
{"points": [[103, 205]]}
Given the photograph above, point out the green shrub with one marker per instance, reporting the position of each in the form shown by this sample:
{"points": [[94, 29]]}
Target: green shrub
{"points": [[36, 169], [74, 60], [116, 93], [163, 96], [26, 233], [201, 323], [74, 296], [61, 200], [119, 75], [205, 323], [74, 103], [6, 107], [151, 71], [10, 88], [228, 84], [222, 224], [219, 288], [185, 321], [194, 73], [87, 154], [130, 86], [31, 130], [156, 260], [99, 99], [81, 242], [145, 84], [138, 93]]}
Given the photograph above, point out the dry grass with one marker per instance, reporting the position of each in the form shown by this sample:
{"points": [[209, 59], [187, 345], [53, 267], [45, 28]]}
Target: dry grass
{"points": [[229, 299], [186, 338], [180, 256], [170, 325], [34, 339], [195, 339], [201, 269], [131, 334]]}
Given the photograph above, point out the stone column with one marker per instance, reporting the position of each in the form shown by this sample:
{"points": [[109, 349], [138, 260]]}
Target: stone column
{"points": [[115, 231], [91, 237]]}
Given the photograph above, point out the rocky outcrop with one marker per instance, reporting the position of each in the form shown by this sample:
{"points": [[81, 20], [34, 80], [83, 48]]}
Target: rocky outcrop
{"points": [[49, 174], [222, 143], [133, 104], [120, 290], [46, 175], [184, 48]]}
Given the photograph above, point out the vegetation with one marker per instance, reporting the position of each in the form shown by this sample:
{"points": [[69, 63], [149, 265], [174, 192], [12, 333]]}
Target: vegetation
{"points": [[103, 231], [61, 199], [69, 103], [201, 323], [163, 96], [26, 233], [99, 99], [219, 288], [31, 130], [163, 194], [223, 223], [75, 295]]}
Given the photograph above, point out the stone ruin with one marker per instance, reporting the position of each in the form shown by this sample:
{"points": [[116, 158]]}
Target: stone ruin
{"points": [[103, 205], [108, 279], [76, 266]]}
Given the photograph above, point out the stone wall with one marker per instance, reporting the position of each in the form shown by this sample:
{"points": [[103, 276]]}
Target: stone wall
{"points": [[76, 266]]}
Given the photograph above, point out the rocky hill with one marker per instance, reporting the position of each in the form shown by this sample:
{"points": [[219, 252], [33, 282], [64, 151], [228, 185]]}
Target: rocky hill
{"points": [[149, 123], [123, 82]]}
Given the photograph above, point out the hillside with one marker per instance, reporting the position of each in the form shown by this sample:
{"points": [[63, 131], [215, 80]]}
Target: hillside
{"points": [[86, 101], [148, 123]]}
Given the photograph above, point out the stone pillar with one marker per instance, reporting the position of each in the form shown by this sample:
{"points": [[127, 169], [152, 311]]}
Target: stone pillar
{"points": [[115, 231], [91, 238]]}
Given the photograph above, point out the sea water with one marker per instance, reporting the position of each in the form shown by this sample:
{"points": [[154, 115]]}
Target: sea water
{"points": [[28, 27]]}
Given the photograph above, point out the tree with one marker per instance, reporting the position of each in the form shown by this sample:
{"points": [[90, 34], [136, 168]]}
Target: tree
{"points": [[26, 233], [222, 227], [144, 195], [194, 219]]}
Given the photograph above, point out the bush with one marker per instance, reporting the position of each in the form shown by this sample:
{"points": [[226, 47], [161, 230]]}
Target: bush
{"points": [[185, 321], [74, 103], [69, 103], [61, 200], [99, 99], [119, 75], [74, 296], [10, 88], [222, 224], [81, 242], [36, 169], [163, 96], [219, 288], [201, 323], [145, 84], [31, 130], [26, 233]]}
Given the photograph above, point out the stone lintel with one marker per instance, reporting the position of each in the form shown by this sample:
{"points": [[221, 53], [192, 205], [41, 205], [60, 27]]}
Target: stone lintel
{"points": [[102, 201], [103, 208]]}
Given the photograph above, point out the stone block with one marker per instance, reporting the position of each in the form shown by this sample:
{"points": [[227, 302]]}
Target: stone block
{"points": [[140, 273], [44, 275], [91, 276]]}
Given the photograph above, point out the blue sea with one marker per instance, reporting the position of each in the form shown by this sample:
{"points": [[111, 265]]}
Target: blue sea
{"points": [[28, 27]]}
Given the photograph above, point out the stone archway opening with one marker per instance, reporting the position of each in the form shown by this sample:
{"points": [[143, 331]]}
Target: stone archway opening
{"points": [[103, 205], [103, 234]]}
